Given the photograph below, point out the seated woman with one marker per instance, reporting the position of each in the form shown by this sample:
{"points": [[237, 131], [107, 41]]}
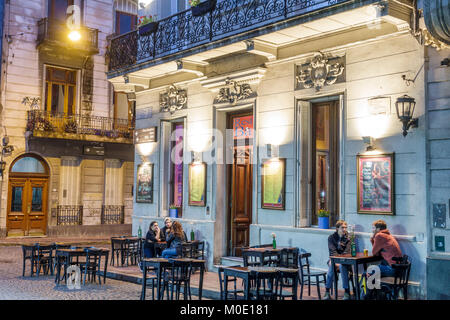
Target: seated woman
{"points": [[167, 226], [175, 239], [154, 234]]}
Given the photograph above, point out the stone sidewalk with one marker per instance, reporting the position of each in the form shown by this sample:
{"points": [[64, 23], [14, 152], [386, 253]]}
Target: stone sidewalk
{"points": [[15, 287]]}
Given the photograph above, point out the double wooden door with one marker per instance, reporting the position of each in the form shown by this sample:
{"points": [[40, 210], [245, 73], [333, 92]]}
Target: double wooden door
{"points": [[27, 206]]}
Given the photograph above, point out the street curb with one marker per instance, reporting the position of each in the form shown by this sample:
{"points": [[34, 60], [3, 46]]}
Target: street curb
{"points": [[209, 294]]}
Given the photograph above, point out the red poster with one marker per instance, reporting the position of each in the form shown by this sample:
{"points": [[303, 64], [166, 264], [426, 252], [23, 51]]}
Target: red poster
{"points": [[243, 127]]}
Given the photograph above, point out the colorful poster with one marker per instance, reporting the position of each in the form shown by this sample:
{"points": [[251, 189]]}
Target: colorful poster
{"points": [[375, 184], [144, 183], [197, 184], [273, 183]]}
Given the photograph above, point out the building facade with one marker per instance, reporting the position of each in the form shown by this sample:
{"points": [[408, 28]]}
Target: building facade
{"points": [[260, 114], [68, 152]]}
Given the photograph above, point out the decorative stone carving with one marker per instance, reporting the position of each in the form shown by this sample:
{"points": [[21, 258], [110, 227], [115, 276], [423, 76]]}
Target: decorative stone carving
{"points": [[429, 40], [233, 92], [172, 100], [32, 102], [320, 71]]}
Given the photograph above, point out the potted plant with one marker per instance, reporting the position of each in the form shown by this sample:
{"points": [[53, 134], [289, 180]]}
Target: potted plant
{"points": [[147, 25], [173, 211], [324, 219], [200, 8]]}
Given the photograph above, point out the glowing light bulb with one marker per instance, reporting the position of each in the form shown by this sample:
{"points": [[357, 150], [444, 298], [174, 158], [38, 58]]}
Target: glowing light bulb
{"points": [[74, 35]]}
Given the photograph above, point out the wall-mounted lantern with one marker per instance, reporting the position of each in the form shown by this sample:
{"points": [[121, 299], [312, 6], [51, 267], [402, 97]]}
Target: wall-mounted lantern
{"points": [[405, 106], [370, 141]]}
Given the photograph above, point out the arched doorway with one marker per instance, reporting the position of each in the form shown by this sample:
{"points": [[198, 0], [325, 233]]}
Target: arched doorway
{"points": [[27, 196]]}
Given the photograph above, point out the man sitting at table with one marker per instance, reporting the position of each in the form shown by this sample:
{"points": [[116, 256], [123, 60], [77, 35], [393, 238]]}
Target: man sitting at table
{"points": [[338, 243], [154, 234], [386, 245], [175, 238]]}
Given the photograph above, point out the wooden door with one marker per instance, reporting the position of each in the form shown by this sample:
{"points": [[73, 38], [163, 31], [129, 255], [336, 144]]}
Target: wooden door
{"points": [[241, 211], [27, 206], [241, 181]]}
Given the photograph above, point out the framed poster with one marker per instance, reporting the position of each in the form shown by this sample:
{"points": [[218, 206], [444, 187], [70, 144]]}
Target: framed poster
{"points": [[197, 184], [375, 184], [144, 183], [273, 184]]}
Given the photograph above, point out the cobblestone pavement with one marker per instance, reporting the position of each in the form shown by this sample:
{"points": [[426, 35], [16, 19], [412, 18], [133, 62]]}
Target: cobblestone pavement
{"points": [[15, 287]]}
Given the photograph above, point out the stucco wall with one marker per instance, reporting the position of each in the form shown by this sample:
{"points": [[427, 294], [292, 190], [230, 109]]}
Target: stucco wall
{"points": [[372, 69]]}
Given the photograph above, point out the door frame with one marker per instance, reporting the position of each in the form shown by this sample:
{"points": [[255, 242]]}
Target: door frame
{"points": [[27, 175], [230, 182]]}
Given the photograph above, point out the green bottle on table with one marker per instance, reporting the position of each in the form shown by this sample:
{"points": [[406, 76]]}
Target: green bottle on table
{"points": [[192, 235], [353, 246], [139, 232], [274, 243]]}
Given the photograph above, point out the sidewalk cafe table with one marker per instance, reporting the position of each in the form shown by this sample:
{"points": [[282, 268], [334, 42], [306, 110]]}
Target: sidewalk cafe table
{"points": [[347, 259], [160, 263], [264, 252], [67, 256], [246, 274], [118, 248]]}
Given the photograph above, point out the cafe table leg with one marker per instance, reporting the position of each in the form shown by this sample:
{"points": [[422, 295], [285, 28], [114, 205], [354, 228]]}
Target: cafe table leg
{"points": [[355, 275], [106, 266], [335, 279], [159, 282], [247, 287], [144, 282], [225, 284], [200, 283]]}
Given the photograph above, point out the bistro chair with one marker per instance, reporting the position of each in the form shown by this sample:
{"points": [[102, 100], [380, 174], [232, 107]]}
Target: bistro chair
{"points": [[265, 286], [151, 278], [91, 267], [288, 283], [178, 275], [252, 259], [116, 250], [234, 292], [306, 274], [198, 250], [131, 251], [289, 258], [392, 285], [44, 258], [29, 253]]}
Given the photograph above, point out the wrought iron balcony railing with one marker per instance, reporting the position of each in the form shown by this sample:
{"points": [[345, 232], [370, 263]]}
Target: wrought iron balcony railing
{"points": [[184, 31], [67, 215], [113, 214], [62, 125], [54, 32]]}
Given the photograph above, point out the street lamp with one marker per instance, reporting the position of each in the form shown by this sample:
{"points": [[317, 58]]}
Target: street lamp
{"points": [[405, 106]]}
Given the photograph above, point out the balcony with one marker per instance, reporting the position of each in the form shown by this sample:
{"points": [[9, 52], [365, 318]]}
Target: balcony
{"points": [[231, 21], [67, 215], [113, 214], [53, 34], [79, 127]]}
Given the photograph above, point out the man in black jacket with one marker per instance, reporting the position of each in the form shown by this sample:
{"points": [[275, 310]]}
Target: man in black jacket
{"points": [[338, 243]]}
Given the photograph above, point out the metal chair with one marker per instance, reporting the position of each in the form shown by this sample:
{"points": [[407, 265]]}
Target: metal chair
{"points": [[153, 279], [178, 275], [234, 292], [393, 285], [91, 267], [288, 283], [29, 253], [252, 259], [44, 258], [289, 258], [306, 274], [265, 286]]}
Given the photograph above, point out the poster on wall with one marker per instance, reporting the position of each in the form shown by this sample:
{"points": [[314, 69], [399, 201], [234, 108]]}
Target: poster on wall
{"points": [[144, 183], [439, 219], [375, 184], [273, 184], [197, 184]]}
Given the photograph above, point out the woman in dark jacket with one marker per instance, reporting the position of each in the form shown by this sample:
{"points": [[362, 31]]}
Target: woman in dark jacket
{"points": [[176, 237], [154, 234]]}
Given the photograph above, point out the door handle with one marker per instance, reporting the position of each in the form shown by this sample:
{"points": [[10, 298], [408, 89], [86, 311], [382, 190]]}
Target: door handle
{"points": [[28, 208]]}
